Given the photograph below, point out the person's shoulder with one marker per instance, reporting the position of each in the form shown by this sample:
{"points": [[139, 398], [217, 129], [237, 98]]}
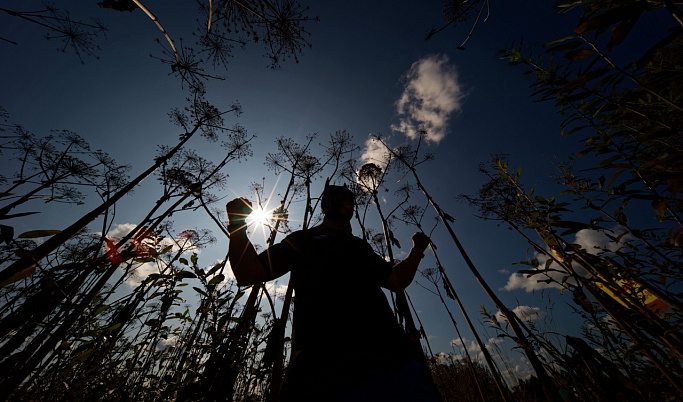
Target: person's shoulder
{"points": [[298, 235]]}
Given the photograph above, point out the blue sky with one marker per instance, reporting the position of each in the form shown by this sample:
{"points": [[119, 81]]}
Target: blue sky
{"points": [[365, 58]]}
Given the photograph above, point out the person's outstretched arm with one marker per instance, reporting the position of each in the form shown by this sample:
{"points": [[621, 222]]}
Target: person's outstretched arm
{"points": [[243, 257], [404, 272]]}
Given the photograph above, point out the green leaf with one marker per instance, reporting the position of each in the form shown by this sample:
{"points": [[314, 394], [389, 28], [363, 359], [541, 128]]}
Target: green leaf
{"points": [[214, 269], [32, 234], [579, 54], [100, 310], [153, 322], [572, 247], [572, 227], [530, 271], [201, 292], [677, 238], [184, 274], [155, 294], [612, 179], [158, 276], [556, 41], [565, 46], [83, 356], [622, 219], [183, 261], [550, 240], [217, 279], [24, 273], [660, 205], [601, 182], [19, 215], [166, 249], [634, 348]]}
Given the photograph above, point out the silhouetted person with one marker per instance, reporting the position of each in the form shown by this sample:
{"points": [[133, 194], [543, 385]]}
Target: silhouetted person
{"points": [[347, 345]]}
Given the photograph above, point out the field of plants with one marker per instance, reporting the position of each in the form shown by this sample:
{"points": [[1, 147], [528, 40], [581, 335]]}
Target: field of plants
{"points": [[72, 329]]}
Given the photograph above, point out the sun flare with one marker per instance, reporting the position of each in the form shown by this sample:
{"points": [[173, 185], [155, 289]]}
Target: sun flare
{"points": [[260, 216]]}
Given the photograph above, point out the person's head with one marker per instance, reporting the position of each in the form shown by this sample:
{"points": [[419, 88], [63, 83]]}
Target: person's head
{"points": [[337, 202]]}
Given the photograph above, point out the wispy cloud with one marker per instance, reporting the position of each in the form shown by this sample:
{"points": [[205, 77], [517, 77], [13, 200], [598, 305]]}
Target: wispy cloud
{"points": [[139, 272], [596, 242], [120, 231], [540, 281], [517, 369], [593, 241], [520, 371], [525, 313], [164, 344], [374, 152], [276, 289], [431, 95], [469, 345], [228, 275], [446, 358]]}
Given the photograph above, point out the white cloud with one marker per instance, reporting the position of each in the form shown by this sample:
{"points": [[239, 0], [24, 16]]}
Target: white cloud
{"points": [[276, 289], [521, 371], [139, 272], [121, 230], [431, 95], [525, 313], [458, 342], [531, 283], [593, 241], [470, 346], [494, 341], [228, 275], [517, 369], [227, 271], [374, 152], [164, 344], [446, 358]]}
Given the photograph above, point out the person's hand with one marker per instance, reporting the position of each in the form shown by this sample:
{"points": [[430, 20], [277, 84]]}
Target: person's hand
{"points": [[420, 242], [238, 210]]}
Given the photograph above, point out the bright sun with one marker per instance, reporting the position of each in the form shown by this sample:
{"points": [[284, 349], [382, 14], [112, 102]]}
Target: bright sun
{"points": [[260, 216]]}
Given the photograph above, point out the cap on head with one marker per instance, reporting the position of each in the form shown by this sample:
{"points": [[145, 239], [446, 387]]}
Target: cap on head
{"points": [[333, 199]]}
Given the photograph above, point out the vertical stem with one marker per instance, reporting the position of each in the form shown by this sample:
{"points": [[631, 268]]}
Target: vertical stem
{"points": [[470, 364], [281, 323], [502, 389], [57, 240], [401, 301], [550, 390]]}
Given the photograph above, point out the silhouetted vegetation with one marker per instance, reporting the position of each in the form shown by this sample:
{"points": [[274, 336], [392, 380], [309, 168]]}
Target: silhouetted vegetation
{"points": [[90, 314]]}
